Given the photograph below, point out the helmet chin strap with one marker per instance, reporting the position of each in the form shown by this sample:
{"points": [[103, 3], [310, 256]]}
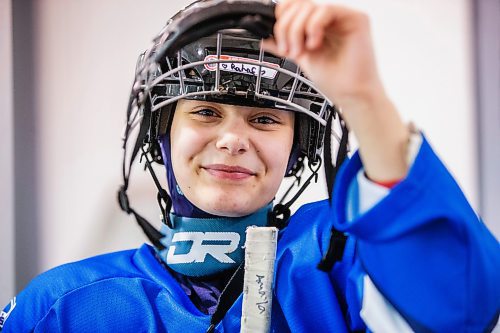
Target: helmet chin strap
{"points": [[151, 232], [281, 212], [164, 200]]}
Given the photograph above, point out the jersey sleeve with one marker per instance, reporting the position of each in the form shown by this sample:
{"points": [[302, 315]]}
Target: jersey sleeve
{"points": [[426, 254]]}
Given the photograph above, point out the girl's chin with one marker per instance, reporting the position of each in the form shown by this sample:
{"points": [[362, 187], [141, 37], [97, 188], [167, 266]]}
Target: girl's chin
{"points": [[229, 208], [228, 202], [230, 211]]}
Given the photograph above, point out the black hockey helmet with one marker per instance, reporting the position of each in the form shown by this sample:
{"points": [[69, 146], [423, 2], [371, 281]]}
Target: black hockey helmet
{"points": [[211, 51]]}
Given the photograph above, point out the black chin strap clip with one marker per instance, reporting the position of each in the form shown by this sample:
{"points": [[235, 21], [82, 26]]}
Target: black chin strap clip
{"points": [[165, 204], [123, 200], [279, 216]]}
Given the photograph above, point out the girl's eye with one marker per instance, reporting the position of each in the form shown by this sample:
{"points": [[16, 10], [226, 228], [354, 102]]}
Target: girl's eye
{"points": [[265, 120], [205, 113]]}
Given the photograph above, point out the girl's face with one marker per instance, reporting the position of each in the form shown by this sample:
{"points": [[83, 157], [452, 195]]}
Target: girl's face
{"points": [[230, 160]]}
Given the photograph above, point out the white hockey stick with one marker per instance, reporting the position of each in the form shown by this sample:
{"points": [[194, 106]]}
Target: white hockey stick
{"points": [[260, 254]]}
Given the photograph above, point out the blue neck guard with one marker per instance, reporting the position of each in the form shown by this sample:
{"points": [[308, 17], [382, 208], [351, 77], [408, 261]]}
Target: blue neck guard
{"points": [[208, 246]]}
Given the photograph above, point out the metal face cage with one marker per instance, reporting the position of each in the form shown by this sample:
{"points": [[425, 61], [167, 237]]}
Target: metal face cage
{"points": [[194, 58], [209, 70]]}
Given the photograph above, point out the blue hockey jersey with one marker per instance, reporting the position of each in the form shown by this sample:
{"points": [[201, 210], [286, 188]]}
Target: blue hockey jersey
{"points": [[421, 249]]}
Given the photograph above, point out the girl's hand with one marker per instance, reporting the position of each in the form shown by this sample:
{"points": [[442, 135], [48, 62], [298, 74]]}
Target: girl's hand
{"points": [[333, 46]]}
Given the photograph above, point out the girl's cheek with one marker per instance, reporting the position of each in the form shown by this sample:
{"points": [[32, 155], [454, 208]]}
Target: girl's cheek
{"points": [[189, 140]]}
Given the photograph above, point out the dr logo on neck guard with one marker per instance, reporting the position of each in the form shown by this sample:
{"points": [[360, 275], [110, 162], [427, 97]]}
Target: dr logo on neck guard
{"points": [[207, 246], [216, 244]]}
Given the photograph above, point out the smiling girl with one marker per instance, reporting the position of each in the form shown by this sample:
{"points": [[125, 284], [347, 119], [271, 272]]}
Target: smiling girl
{"points": [[399, 247]]}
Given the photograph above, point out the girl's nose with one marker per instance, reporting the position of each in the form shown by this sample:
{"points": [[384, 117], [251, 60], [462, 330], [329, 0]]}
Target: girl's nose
{"points": [[234, 140]]}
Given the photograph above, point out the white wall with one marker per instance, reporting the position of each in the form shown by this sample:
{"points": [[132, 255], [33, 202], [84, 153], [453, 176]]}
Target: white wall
{"points": [[424, 50], [85, 58]]}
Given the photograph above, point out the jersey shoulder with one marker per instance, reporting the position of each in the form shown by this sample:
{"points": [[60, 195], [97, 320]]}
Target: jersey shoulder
{"points": [[62, 279], [57, 285], [310, 218], [309, 227]]}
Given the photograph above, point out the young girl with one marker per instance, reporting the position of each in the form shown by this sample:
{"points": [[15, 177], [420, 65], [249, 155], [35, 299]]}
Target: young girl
{"points": [[399, 246]]}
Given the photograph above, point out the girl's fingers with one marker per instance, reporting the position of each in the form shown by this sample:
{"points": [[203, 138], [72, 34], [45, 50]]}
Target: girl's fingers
{"points": [[282, 6], [282, 26], [316, 25], [271, 46], [303, 25], [297, 30], [338, 20]]}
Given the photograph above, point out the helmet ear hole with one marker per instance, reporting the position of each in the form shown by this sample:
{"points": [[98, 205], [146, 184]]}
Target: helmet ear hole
{"points": [[297, 155], [164, 120], [302, 132], [309, 134], [160, 126]]}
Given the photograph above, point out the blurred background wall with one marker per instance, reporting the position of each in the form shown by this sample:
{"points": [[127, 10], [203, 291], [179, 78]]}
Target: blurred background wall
{"points": [[7, 277], [66, 69]]}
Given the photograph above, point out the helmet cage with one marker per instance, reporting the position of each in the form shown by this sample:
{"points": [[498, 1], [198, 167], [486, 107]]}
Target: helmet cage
{"points": [[209, 70]]}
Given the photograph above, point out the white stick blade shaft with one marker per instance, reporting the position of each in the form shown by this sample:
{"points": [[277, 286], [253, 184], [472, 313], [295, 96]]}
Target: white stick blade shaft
{"points": [[260, 254]]}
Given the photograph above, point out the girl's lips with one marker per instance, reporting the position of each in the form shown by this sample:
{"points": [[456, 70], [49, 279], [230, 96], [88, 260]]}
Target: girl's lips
{"points": [[228, 171]]}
